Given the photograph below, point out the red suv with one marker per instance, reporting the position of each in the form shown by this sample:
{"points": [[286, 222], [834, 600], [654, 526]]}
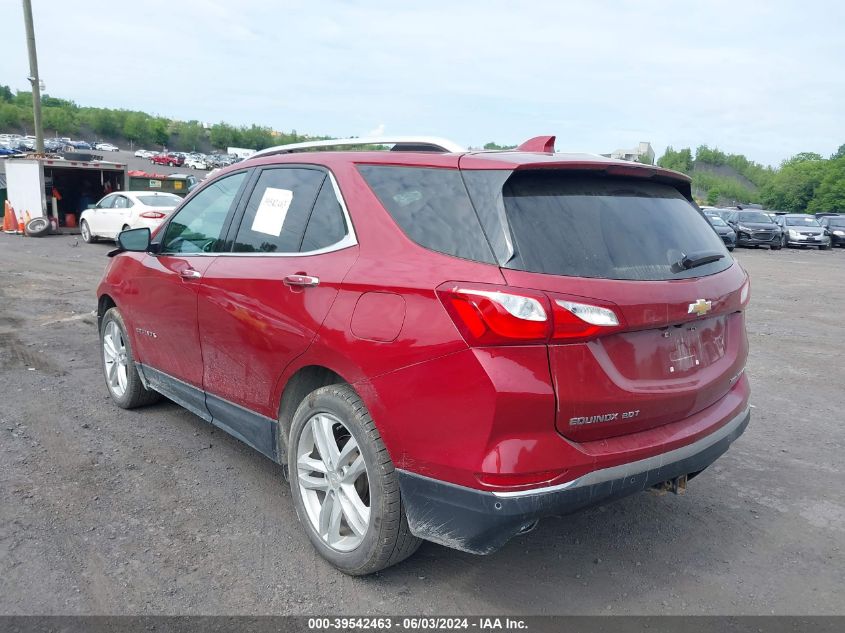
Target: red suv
{"points": [[171, 159], [438, 344]]}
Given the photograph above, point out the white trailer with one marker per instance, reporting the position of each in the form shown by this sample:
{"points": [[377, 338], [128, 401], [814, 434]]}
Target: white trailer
{"points": [[60, 188]]}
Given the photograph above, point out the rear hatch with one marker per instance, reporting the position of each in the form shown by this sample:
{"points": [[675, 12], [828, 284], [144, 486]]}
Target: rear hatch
{"points": [[635, 257]]}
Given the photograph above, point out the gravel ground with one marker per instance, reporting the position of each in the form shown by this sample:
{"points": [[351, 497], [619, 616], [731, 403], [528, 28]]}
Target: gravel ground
{"points": [[105, 511]]}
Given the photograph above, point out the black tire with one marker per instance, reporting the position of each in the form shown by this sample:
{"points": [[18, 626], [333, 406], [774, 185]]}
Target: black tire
{"points": [[37, 227], [87, 236], [824, 247], [388, 539], [730, 249], [776, 247], [135, 394]]}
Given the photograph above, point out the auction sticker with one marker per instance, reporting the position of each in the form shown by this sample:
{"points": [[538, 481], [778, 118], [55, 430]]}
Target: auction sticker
{"points": [[271, 212]]}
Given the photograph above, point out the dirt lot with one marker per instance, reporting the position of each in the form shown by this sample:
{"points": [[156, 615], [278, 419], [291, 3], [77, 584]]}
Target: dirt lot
{"points": [[153, 511]]}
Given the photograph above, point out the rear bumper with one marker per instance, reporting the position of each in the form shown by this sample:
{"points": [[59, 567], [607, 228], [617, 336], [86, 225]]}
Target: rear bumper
{"points": [[481, 522]]}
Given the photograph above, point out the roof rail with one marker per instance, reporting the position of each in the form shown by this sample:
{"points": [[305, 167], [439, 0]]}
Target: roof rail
{"points": [[400, 143]]}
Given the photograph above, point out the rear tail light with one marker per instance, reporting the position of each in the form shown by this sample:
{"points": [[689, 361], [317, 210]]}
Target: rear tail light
{"points": [[153, 215], [493, 316], [500, 315]]}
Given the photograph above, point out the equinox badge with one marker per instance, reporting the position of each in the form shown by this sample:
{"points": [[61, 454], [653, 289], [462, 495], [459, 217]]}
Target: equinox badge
{"points": [[700, 307]]}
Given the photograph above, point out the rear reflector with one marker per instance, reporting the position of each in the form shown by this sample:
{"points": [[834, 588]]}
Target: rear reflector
{"points": [[515, 480], [500, 315]]}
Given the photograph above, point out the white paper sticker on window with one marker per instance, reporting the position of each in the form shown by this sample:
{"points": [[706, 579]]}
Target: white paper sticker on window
{"points": [[271, 213]]}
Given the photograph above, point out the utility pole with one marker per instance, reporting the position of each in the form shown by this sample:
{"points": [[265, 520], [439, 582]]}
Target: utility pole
{"points": [[33, 76]]}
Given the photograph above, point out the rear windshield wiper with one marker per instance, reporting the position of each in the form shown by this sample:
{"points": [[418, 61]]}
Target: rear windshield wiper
{"points": [[694, 260]]}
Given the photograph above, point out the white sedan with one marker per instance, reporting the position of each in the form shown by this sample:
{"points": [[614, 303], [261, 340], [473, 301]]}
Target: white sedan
{"points": [[106, 147], [126, 210]]}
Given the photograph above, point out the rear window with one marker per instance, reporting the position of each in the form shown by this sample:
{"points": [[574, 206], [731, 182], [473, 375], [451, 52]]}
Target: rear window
{"points": [[432, 207], [604, 227], [162, 200]]}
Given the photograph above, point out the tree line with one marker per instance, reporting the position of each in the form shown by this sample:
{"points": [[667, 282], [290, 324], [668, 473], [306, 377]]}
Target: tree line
{"points": [[62, 117], [804, 183]]}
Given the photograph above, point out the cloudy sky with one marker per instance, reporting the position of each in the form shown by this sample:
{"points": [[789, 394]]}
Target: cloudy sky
{"points": [[766, 79]]}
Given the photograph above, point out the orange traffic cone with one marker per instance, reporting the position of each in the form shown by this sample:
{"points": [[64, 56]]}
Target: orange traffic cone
{"points": [[21, 227], [10, 222]]}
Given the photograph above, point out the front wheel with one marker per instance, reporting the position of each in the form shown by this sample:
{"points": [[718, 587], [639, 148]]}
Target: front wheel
{"points": [[121, 374], [824, 247], [344, 485]]}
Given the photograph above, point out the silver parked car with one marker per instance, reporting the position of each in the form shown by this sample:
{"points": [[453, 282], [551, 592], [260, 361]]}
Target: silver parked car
{"points": [[800, 229]]}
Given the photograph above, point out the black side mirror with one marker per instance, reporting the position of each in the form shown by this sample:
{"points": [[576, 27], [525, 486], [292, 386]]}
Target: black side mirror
{"points": [[134, 240]]}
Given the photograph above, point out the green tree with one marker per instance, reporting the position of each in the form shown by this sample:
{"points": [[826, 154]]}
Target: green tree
{"points": [[840, 153], [136, 127], [160, 131], [190, 134], [680, 160], [60, 120], [794, 185], [710, 156], [830, 194], [12, 117], [6, 95], [496, 146], [223, 135]]}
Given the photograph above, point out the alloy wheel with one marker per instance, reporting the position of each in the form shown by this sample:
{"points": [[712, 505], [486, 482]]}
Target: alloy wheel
{"points": [[333, 482], [115, 357]]}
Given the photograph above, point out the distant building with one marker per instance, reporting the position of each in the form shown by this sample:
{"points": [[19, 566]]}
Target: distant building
{"points": [[641, 153]]}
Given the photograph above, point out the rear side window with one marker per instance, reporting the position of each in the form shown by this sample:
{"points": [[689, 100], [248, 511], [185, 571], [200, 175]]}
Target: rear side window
{"points": [[277, 213], [326, 225], [605, 228], [432, 207]]}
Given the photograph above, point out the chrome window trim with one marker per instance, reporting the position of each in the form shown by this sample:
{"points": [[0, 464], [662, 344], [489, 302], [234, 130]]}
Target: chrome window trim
{"points": [[350, 239]]}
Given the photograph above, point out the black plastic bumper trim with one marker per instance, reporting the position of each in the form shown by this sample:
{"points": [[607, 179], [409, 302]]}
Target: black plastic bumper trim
{"points": [[481, 522]]}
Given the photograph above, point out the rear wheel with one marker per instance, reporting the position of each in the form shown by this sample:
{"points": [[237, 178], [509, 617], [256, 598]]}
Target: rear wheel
{"points": [[87, 236], [344, 485], [121, 374]]}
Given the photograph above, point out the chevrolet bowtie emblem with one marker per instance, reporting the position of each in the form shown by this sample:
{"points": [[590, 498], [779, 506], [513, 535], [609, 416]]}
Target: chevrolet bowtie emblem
{"points": [[700, 307]]}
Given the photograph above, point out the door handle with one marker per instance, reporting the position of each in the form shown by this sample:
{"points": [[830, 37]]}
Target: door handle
{"points": [[301, 281], [190, 273]]}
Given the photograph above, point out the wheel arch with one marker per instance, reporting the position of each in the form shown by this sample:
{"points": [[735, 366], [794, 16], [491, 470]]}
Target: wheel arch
{"points": [[301, 382], [104, 304]]}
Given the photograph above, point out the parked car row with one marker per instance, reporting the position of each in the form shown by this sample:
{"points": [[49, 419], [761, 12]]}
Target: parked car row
{"points": [[758, 227], [12, 144]]}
